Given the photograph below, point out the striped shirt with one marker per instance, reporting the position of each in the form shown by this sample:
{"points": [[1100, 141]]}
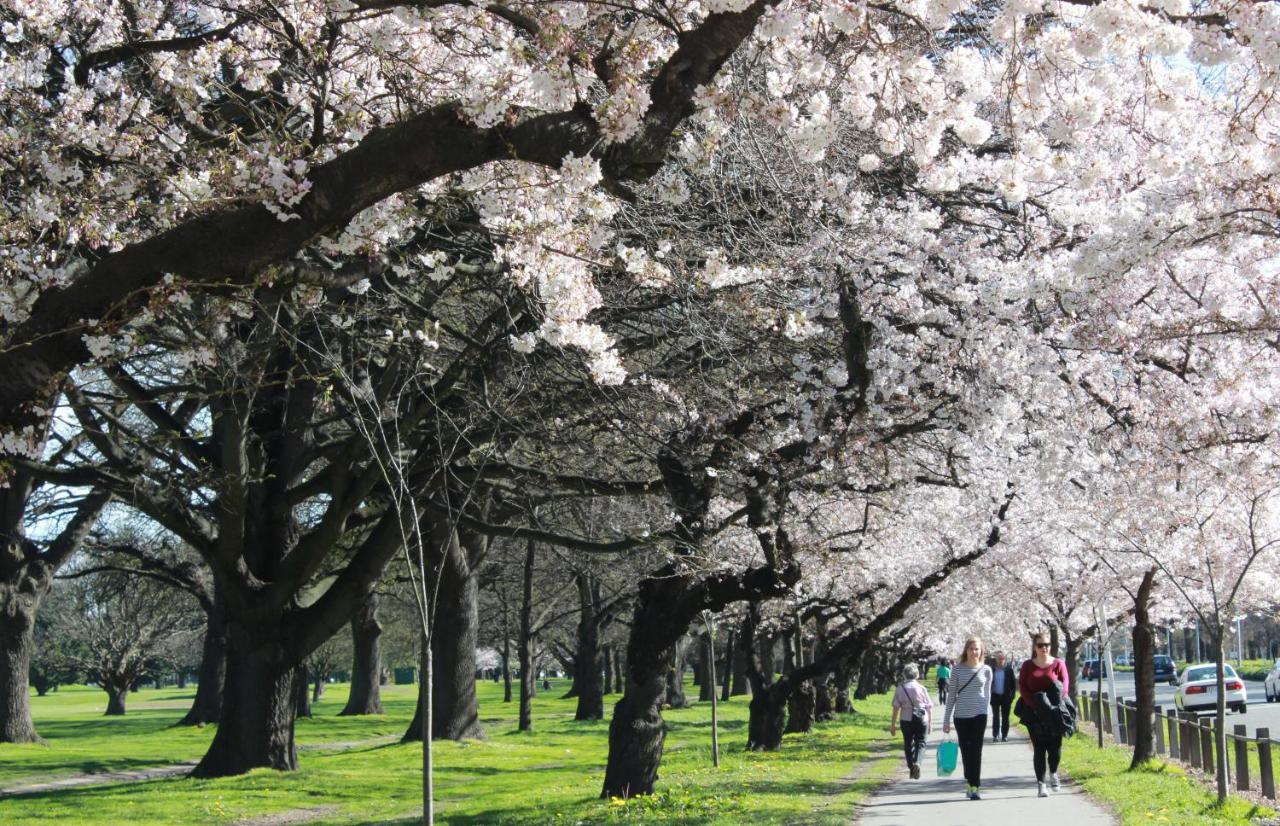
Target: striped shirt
{"points": [[970, 701]]}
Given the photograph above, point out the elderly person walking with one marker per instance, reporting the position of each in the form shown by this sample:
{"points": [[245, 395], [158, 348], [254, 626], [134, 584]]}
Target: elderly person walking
{"points": [[911, 702], [968, 703]]}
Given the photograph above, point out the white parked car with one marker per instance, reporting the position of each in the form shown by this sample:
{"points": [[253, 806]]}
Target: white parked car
{"points": [[1271, 685], [1198, 689]]}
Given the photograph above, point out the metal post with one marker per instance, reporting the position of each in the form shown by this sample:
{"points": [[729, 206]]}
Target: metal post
{"points": [[1242, 757], [1159, 721], [1265, 776]]}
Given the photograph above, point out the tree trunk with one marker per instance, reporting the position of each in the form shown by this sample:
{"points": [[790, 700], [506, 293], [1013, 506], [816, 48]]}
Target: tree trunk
{"points": [[636, 732], [843, 677], [767, 721], [213, 666], [302, 697], [366, 665], [767, 713], [730, 660], [866, 674], [1071, 653], [675, 676], [258, 704], [619, 672], [318, 686], [1143, 739], [741, 684], [17, 619], [586, 674], [801, 707], [706, 689], [606, 659], [116, 695], [525, 643], [824, 702], [506, 656]]}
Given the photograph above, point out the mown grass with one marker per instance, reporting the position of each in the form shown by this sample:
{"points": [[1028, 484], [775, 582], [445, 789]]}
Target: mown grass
{"points": [[550, 776], [1158, 792]]}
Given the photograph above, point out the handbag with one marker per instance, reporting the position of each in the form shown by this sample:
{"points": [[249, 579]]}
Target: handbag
{"points": [[948, 754]]}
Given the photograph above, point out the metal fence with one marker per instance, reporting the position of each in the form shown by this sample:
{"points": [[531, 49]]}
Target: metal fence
{"points": [[1184, 737]]}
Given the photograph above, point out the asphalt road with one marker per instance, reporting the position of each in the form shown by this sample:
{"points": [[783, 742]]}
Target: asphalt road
{"points": [[1260, 714]]}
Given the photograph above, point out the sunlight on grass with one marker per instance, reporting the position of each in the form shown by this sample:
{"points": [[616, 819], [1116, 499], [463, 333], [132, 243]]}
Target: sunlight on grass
{"points": [[1156, 793], [550, 777]]}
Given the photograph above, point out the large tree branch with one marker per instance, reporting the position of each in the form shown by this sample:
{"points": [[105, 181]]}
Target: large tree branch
{"points": [[232, 247]]}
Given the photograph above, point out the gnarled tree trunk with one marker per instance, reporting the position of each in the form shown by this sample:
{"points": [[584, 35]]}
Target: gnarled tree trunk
{"points": [[116, 694], [366, 665], [586, 675], [213, 665], [17, 620], [1144, 676], [258, 705]]}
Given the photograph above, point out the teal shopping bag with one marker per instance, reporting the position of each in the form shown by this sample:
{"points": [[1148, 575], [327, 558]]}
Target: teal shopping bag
{"points": [[948, 755]]}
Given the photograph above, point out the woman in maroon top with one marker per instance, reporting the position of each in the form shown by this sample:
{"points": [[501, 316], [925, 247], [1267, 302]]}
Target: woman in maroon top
{"points": [[1039, 674]]}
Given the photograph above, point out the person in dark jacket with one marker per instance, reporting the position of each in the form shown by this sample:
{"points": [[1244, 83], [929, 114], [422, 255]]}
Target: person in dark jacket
{"points": [[1004, 686], [1044, 708]]}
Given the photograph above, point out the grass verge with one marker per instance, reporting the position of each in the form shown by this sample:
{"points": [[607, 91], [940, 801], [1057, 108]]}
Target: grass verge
{"points": [[1156, 793]]}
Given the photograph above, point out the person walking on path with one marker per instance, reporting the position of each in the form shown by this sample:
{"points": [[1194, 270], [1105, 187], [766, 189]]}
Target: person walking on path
{"points": [[911, 702], [1044, 674], [944, 676], [1004, 685], [968, 704]]}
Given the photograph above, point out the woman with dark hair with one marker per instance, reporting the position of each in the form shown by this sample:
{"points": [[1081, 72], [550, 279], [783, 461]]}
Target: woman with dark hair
{"points": [[1044, 674]]}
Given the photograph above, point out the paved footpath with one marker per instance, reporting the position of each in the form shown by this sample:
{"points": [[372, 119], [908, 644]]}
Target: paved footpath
{"points": [[1008, 794]]}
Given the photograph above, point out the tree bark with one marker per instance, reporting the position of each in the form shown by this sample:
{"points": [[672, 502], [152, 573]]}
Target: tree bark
{"points": [[730, 660], [17, 621], [1144, 676], [587, 675], [619, 672], [258, 705], [866, 674], [741, 684], [1071, 653], [318, 685], [842, 678], [525, 643], [675, 676], [801, 708], [823, 700], [302, 696], [506, 656], [767, 712], [706, 689], [116, 694], [366, 666], [606, 659]]}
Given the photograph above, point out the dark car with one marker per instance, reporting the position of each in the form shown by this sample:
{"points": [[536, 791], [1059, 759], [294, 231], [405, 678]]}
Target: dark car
{"points": [[1165, 669], [1089, 671]]}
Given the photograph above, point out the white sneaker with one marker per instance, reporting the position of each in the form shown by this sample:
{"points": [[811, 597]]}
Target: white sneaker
{"points": [[1055, 782], [1041, 791]]}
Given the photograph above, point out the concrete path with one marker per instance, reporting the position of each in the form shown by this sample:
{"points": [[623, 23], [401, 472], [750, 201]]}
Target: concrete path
{"points": [[1008, 794]]}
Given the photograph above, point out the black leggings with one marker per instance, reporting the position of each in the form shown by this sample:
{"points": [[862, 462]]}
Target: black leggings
{"points": [[913, 739], [970, 731], [1046, 746]]}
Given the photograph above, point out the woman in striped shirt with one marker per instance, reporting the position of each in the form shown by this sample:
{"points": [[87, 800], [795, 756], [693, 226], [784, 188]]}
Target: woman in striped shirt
{"points": [[968, 703]]}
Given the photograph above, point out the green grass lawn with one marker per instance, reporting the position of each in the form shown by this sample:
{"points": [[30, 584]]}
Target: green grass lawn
{"points": [[1157, 793], [551, 776]]}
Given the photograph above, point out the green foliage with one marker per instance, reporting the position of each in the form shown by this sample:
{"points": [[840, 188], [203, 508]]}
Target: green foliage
{"points": [[550, 776]]}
